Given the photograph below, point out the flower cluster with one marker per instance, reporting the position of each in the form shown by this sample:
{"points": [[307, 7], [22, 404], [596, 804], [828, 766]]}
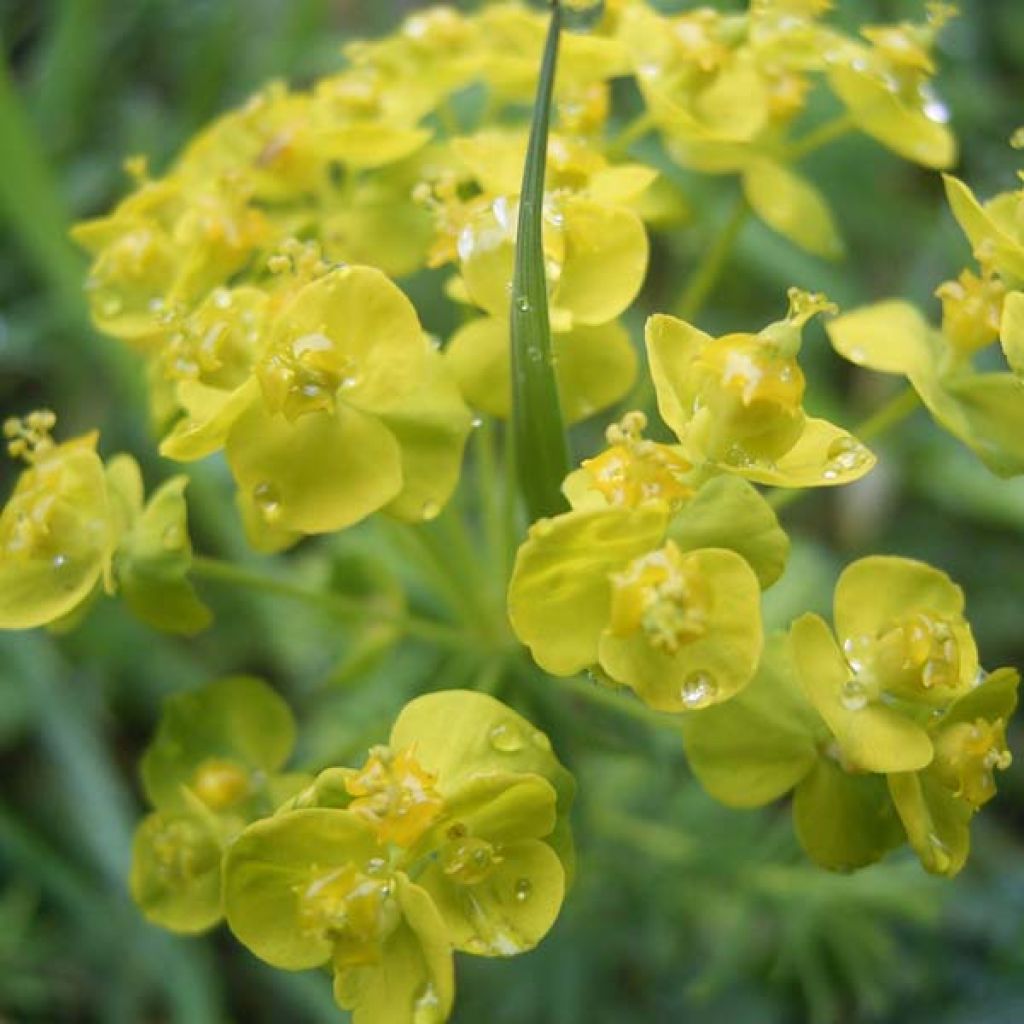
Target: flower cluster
{"points": [[982, 408], [887, 730], [75, 527], [257, 281], [452, 837], [655, 575]]}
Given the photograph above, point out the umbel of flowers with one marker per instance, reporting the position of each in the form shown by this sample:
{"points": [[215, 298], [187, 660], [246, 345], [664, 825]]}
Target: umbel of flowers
{"points": [[262, 282]]}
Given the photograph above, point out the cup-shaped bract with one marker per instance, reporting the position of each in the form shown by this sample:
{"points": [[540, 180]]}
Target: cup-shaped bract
{"points": [[214, 764], [58, 530], [603, 586], [355, 412], [936, 805], [468, 798], [736, 402]]}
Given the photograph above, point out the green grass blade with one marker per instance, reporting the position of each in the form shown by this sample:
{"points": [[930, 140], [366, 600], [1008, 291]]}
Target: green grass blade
{"points": [[542, 452]]}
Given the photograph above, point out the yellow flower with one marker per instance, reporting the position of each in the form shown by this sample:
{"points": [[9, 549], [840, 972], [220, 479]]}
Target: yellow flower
{"points": [[736, 402], [57, 531]]}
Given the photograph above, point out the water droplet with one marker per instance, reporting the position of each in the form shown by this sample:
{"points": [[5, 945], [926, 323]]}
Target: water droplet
{"points": [[476, 421], [506, 738], [939, 851], [523, 889], [853, 695], [540, 741], [59, 561], [268, 501], [736, 456], [831, 474], [523, 304], [222, 298], [430, 510], [935, 110], [375, 865], [699, 689], [857, 649], [858, 355], [427, 1006], [980, 677], [846, 453]]}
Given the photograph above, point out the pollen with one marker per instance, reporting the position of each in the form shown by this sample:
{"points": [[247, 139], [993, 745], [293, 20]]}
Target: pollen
{"points": [[661, 595], [395, 795]]}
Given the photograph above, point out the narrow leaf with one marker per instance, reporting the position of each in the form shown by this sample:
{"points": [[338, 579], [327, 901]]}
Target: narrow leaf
{"points": [[542, 454]]}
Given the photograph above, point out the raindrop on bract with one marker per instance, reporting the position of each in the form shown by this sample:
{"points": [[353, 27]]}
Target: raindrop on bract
{"points": [[853, 695], [540, 741], [506, 737], [268, 501], [846, 453], [699, 689], [426, 1009], [522, 890]]}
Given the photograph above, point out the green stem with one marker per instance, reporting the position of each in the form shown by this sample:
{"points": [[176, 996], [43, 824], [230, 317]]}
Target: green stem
{"points": [[709, 270], [818, 137], [542, 451], [338, 605], [489, 496], [640, 126], [619, 703], [700, 285], [891, 414], [894, 412]]}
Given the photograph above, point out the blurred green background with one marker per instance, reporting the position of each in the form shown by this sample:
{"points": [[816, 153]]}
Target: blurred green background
{"points": [[683, 911]]}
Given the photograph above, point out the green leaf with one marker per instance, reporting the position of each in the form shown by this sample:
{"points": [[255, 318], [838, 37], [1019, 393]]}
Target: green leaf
{"points": [[759, 745], [541, 448], [844, 821], [153, 561], [727, 512]]}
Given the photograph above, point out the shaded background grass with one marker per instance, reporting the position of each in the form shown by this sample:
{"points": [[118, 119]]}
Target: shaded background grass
{"points": [[683, 911]]}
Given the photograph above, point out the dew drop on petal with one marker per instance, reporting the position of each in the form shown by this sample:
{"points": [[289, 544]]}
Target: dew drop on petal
{"points": [[506, 738], [856, 649], [268, 501], [853, 695], [430, 510], [939, 852], [699, 689], [540, 741], [426, 1009], [522, 890]]}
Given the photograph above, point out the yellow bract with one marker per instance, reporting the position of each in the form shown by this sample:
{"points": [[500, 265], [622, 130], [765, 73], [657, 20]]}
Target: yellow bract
{"points": [[57, 530], [736, 402]]}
